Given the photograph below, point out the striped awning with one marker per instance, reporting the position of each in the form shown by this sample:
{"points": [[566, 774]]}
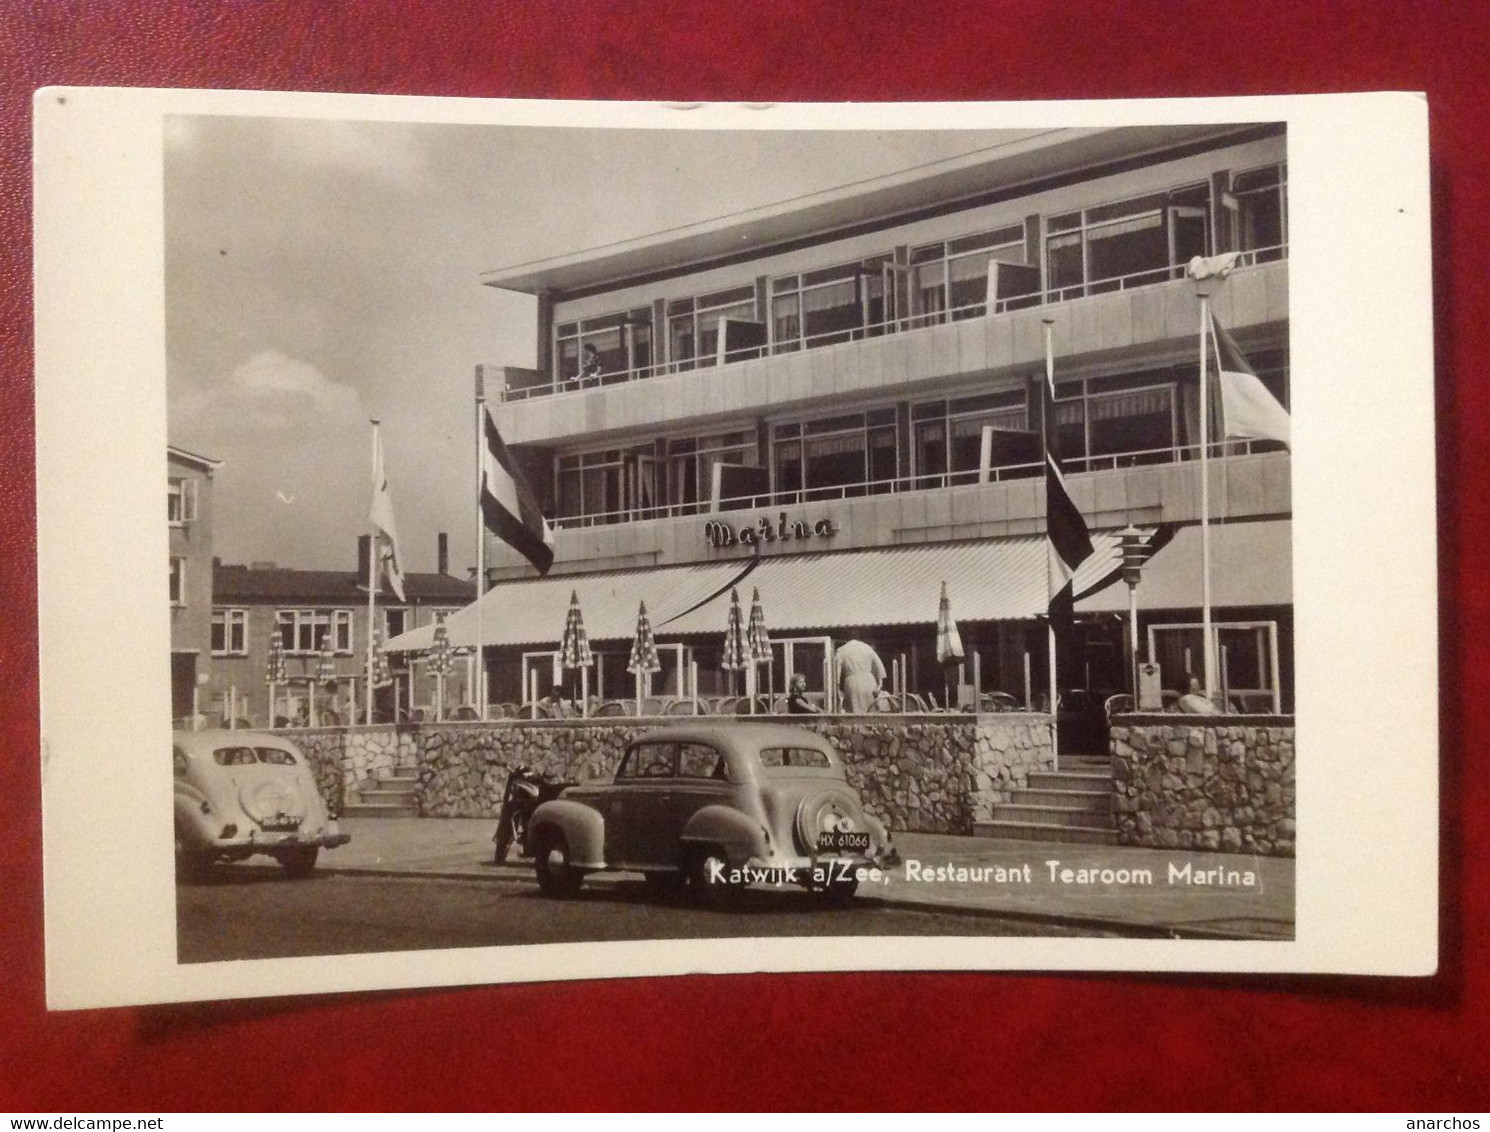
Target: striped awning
{"points": [[995, 580], [1251, 566]]}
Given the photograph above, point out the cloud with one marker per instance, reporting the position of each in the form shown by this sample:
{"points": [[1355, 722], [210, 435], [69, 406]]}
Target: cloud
{"points": [[383, 151], [274, 393]]}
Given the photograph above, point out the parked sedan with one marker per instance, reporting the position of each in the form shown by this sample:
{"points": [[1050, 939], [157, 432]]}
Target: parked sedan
{"points": [[717, 807], [244, 792]]}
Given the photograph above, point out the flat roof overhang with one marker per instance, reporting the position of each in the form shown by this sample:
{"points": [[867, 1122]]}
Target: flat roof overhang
{"points": [[1022, 163]]}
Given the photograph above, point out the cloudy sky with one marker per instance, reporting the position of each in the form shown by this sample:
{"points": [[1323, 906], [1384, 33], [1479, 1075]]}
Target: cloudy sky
{"points": [[321, 273]]}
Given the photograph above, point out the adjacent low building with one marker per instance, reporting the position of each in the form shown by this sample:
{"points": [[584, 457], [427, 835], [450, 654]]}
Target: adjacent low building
{"points": [[320, 618], [189, 523]]}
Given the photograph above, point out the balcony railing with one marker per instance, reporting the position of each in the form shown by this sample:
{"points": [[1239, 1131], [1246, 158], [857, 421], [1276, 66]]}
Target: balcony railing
{"points": [[925, 482], [1134, 281]]}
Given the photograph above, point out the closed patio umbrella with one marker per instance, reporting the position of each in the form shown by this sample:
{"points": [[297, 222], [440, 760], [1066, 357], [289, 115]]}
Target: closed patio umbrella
{"points": [[948, 641], [274, 674], [574, 649], [736, 654], [440, 666], [644, 658], [758, 642]]}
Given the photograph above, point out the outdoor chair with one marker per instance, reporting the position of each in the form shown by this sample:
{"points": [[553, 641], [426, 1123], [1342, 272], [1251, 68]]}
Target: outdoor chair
{"points": [[613, 708], [884, 702], [998, 701], [680, 707], [651, 705]]}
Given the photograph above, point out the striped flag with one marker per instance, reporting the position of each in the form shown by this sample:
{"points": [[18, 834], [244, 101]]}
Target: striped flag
{"points": [[381, 517], [1249, 411], [508, 506], [1064, 525]]}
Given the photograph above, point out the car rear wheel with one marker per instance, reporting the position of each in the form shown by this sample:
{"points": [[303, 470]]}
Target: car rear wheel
{"points": [[192, 864], [709, 877], [556, 876], [300, 861], [836, 893]]}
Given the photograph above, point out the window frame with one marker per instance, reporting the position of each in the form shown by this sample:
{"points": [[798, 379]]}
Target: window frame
{"points": [[300, 620], [177, 582], [234, 623], [182, 492]]}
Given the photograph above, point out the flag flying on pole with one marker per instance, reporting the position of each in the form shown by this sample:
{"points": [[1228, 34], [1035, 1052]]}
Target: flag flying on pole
{"points": [[381, 517], [508, 506], [1249, 411], [1064, 525]]}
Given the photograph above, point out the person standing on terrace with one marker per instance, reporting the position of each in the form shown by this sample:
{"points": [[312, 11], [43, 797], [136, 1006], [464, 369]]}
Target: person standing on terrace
{"points": [[860, 672]]}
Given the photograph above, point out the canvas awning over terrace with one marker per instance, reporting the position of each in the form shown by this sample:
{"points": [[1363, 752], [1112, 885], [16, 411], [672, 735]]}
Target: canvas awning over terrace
{"points": [[989, 580]]}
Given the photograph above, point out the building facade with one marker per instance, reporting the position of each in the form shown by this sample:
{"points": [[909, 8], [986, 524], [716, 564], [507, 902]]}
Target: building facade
{"points": [[189, 523], [843, 395], [320, 619]]}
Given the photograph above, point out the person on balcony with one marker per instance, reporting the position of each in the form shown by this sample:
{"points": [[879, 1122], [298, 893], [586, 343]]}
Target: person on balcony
{"points": [[860, 672], [589, 367]]}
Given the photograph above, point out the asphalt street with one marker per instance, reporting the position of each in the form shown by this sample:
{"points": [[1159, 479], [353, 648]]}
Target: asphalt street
{"points": [[254, 912]]}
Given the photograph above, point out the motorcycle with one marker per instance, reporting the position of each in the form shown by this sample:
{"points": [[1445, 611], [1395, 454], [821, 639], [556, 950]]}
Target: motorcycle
{"points": [[526, 789]]}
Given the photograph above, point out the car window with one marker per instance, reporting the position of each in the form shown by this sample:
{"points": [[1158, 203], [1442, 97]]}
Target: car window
{"points": [[234, 756], [178, 761], [695, 760], [774, 757], [275, 756], [648, 760]]}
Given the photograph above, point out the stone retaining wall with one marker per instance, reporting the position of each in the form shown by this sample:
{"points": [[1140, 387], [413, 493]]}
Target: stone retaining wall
{"points": [[1197, 782], [932, 773]]}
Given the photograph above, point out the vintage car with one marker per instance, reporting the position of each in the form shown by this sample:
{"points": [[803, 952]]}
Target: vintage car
{"points": [[244, 792], [716, 808]]}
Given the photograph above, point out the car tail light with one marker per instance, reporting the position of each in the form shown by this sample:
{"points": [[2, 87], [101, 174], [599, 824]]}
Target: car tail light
{"points": [[229, 830]]}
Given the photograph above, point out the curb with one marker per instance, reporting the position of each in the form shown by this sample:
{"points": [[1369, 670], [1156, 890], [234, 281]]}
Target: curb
{"points": [[507, 875]]}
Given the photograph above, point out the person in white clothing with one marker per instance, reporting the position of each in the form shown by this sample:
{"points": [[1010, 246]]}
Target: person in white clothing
{"points": [[859, 672]]}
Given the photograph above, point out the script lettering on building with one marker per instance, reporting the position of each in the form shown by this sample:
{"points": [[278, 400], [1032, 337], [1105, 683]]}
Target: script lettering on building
{"points": [[764, 529]]}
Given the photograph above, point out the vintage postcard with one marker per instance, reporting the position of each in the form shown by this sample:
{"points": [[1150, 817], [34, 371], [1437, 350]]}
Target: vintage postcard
{"points": [[606, 540]]}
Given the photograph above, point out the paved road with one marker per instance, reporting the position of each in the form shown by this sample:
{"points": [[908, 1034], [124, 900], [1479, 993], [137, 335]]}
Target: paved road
{"points": [[255, 912]]}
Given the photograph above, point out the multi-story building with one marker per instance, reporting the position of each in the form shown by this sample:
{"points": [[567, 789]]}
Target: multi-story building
{"points": [[307, 610], [847, 387], [189, 519]]}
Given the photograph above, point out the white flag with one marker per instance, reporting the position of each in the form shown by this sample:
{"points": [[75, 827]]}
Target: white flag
{"points": [[381, 517]]}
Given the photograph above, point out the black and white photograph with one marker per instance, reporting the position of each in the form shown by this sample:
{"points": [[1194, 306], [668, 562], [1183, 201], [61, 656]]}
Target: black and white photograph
{"points": [[796, 538]]}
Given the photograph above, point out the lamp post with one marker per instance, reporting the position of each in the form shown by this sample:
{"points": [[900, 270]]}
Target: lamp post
{"points": [[1131, 542]]}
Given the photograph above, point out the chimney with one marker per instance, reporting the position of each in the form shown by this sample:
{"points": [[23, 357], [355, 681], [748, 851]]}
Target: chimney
{"points": [[364, 556], [442, 553]]}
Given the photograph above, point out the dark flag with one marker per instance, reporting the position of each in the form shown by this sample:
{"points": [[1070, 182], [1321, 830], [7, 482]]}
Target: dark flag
{"points": [[508, 506], [1064, 525]]}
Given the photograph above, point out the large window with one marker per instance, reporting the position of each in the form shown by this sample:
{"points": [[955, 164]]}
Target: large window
{"points": [[950, 279], [307, 630], [181, 501], [693, 324], [948, 436], [178, 581], [691, 462], [832, 304], [835, 457], [229, 632], [1261, 212], [1117, 421], [608, 348], [612, 485], [1128, 244]]}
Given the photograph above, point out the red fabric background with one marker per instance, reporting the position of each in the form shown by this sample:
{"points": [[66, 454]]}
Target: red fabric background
{"points": [[813, 1040]]}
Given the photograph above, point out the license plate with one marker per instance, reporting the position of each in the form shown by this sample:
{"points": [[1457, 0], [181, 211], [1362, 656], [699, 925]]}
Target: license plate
{"points": [[843, 841], [281, 825]]}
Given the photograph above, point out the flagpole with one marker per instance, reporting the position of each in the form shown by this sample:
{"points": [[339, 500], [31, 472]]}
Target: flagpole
{"points": [[1047, 423], [372, 582], [1208, 663], [480, 549]]}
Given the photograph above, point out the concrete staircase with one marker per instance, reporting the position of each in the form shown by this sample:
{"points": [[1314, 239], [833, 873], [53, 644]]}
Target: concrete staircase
{"points": [[1072, 804], [393, 794]]}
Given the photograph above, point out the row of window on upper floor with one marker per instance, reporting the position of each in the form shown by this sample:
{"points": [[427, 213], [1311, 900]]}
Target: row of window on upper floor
{"points": [[1122, 420], [1130, 243], [303, 632]]}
